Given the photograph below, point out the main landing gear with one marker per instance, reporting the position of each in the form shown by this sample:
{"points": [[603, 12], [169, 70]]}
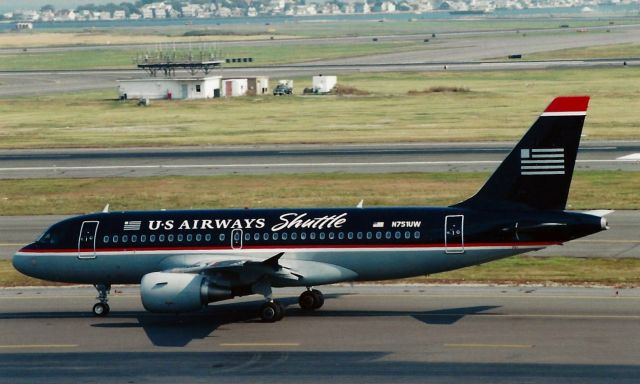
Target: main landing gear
{"points": [[311, 299], [102, 309], [273, 310]]}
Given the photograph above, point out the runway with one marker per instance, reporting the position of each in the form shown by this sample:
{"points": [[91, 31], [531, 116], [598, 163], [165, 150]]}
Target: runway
{"points": [[363, 334], [378, 158], [620, 242]]}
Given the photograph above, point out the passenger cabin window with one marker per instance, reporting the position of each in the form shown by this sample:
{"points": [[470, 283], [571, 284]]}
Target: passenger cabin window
{"points": [[221, 237], [170, 238], [161, 238], [303, 236], [143, 238], [189, 237], [341, 235], [105, 239], [115, 238], [294, 236], [152, 238], [331, 235], [180, 237], [416, 234], [198, 237], [312, 236], [207, 237], [134, 238]]}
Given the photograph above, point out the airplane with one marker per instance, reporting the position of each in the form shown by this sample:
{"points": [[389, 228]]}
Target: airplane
{"points": [[186, 259]]}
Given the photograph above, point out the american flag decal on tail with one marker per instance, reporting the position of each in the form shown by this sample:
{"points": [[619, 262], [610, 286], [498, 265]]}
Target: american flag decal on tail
{"points": [[542, 161], [132, 225]]}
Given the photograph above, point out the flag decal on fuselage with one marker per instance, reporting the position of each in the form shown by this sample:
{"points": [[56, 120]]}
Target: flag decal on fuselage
{"points": [[542, 161], [132, 225]]}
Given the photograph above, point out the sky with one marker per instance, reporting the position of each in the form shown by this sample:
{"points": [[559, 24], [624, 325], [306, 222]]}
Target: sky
{"points": [[9, 5]]}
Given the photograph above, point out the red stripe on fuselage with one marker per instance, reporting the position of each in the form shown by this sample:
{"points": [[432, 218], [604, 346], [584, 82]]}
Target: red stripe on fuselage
{"points": [[268, 247]]}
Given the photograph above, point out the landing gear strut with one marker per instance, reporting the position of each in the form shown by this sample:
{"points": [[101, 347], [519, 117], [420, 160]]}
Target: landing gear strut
{"points": [[272, 310], [311, 299], [102, 309]]}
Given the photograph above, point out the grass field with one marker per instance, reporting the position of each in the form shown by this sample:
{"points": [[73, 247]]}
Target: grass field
{"points": [[515, 270], [262, 55], [613, 190], [500, 105], [614, 51]]}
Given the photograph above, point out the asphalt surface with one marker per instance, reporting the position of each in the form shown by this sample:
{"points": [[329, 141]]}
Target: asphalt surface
{"points": [[321, 40], [408, 334], [378, 158], [456, 51], [620, 241]]}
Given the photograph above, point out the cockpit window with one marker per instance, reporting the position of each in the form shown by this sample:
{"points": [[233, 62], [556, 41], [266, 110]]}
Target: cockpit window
{"points": [[52, 236]]}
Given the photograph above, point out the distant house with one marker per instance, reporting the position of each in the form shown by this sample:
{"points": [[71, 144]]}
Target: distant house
{"points": [[119, 14]]}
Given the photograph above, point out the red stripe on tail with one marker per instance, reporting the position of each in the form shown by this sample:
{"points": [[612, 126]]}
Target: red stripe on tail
{"points": [[569, 104]]}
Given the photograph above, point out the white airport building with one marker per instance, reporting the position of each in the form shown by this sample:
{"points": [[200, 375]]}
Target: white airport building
{"points": [[187, 88], [170, 88]]}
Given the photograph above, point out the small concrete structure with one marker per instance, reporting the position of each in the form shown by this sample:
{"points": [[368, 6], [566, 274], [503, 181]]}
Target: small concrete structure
{"points": [[257, 85], [234, 87], [170, 88], [24, 26], [323, 84]]}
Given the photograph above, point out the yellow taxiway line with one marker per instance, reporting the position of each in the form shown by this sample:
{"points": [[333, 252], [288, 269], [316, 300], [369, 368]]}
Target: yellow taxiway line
{"points": [[37, 346]]}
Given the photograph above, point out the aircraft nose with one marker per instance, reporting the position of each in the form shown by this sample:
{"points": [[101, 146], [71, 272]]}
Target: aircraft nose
{"points": [[21, 262]]}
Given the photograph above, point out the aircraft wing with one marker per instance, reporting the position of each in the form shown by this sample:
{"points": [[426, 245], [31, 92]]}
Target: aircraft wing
{"points": [[280, 272]]}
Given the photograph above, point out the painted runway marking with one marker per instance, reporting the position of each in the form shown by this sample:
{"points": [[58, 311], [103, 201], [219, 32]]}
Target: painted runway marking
{"points": [[241, 345], [633, 156], [38, 346], [504, 346]]}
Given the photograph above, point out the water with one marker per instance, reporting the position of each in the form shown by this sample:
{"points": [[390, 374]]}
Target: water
{"points": [[600, 11]]}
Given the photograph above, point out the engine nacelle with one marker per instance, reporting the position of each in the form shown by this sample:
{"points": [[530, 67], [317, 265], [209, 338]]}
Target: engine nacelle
{"points": [[179, 292]]}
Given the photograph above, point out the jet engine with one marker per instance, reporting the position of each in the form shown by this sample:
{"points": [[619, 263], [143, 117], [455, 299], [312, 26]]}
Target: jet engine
{"points": [[179, 292]]}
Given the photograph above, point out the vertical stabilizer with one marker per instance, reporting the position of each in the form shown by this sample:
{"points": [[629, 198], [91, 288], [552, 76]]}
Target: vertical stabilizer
{"points": [[537, 173]]}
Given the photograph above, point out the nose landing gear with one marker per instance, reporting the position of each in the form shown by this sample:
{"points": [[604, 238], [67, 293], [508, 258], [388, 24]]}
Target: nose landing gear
{"points": [[102, 309]]}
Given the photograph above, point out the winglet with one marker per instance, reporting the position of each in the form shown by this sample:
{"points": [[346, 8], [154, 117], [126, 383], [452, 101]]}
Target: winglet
{"points": [[273, 261], [106, 208], [360, 204]]}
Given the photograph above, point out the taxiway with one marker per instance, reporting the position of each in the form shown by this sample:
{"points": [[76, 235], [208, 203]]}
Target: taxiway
{"points": [[363, 334]]}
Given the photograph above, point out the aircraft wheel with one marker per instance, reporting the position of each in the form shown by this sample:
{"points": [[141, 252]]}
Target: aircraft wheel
{"points": [[310, 300], [271, 311], [319, 299], [101, 309]]}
